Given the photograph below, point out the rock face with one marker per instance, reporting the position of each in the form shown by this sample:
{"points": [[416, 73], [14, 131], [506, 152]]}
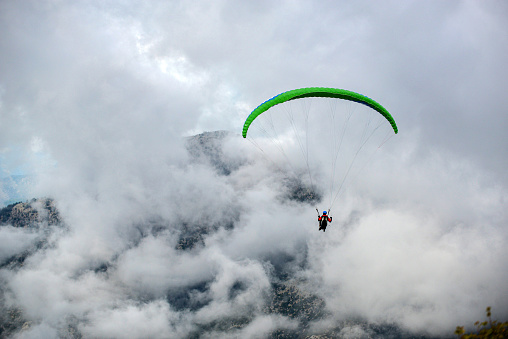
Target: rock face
{"points": [[37, 216], [208, 147], [30, 214]]}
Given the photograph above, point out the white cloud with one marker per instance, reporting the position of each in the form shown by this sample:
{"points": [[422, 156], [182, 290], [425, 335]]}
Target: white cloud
{"points": [[14, 241], [151, 320], [95, 99]]}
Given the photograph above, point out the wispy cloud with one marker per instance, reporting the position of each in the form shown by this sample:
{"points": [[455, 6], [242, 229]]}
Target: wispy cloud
{"points": [[97, 100]]}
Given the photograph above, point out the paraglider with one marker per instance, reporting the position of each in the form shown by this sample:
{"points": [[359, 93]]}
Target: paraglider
{"points": [[335, 140], [317, 92], [323, 220]]}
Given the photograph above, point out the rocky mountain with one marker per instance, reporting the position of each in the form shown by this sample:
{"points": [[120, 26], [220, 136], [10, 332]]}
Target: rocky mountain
{"points": [[288, 296], [37, 216], [208, 147], [32, 213]]}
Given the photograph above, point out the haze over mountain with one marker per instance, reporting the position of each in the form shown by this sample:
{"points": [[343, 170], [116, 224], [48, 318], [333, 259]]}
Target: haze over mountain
{"points": [[166, 228], [236, 255]]}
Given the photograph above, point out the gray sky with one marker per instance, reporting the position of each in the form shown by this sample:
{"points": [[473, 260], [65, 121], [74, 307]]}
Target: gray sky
{"points": [[95, 98]]}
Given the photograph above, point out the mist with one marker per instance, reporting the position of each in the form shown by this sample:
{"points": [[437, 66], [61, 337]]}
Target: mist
{"points": [[100, 103]]}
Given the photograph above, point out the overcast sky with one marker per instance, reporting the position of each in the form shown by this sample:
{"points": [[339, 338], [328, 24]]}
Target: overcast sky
{"points": [[96, 97]]}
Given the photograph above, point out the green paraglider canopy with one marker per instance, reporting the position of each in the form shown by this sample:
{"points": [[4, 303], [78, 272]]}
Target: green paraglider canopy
{"points": [[317, 92]]}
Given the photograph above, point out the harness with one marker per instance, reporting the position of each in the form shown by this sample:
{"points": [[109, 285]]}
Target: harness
{"points": [[324, 220]]}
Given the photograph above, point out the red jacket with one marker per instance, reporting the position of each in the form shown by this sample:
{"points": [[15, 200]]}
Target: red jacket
{"points": [[327, 217]]}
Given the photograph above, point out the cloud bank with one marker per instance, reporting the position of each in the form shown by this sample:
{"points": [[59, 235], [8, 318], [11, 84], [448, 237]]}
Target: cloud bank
{"points": [[96, 102]]}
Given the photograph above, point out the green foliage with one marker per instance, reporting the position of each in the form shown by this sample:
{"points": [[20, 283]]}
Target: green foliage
{"points": [[486, 329]]}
